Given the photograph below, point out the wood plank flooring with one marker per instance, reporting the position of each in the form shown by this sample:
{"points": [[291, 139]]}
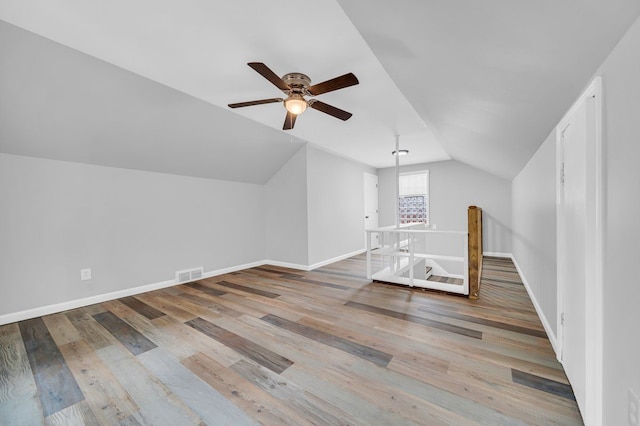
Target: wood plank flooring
{"points": [[277, 346]]}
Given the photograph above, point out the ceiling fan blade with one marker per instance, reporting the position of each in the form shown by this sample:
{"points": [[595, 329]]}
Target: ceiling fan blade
{"points": [[333, 84], [251, 103], [289, 121], [266, 72], [331, 110]]}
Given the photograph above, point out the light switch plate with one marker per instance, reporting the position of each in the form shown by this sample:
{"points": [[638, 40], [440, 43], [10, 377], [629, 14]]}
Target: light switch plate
{"points": [[85, 274], [634, 408]]}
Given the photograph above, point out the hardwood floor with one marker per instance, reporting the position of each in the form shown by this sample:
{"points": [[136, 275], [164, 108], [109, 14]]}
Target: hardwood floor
{"points": [[275, 346]]}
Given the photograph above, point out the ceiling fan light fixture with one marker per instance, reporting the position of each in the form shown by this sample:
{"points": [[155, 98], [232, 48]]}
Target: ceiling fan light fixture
{"points": [[295, 104], [401, 152]]}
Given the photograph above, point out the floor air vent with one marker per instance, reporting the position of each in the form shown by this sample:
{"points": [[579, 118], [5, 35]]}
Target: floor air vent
{"points": [[189, 275]]}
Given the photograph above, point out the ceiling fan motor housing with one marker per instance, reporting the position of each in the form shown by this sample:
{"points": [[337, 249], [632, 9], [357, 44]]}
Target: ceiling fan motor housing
{"points": [[297, 81]]}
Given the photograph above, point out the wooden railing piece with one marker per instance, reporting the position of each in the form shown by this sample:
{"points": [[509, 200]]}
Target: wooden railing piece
{"points": [[475, 250]]}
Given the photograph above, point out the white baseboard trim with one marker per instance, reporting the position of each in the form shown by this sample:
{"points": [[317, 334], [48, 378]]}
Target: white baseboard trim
{"points": [[335, 259], [233, 269], [545, 323], [496, 254], [286, 265], [99, 298], [315, 265]]}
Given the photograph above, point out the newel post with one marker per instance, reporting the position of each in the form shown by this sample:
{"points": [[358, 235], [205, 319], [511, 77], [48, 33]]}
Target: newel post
{"points": [[474, 227]]}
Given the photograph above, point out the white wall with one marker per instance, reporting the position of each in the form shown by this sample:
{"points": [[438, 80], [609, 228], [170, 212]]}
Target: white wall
{"points": [[621, 136], [131, 228], [335, 205], [621, 87], [533, 196], [453, 187], [286, 212]]}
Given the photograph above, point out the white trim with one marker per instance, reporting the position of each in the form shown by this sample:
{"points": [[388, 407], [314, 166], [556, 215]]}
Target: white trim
{"points": [[496, 254], [598, 316], [545, 322], [233, 269], [315, 265], [335, 259], [286, 265]]}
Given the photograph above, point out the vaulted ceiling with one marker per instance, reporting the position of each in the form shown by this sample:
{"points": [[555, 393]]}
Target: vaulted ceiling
{"points": [[145, 84]]}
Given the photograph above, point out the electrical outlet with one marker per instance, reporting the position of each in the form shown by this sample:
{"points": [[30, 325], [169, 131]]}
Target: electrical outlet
{"points": [[634, 408], [85, 274]]}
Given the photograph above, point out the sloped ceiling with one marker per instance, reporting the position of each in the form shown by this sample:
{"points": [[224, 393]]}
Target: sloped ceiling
{"points": [[493, 77], [60, 104], [145, 84]]}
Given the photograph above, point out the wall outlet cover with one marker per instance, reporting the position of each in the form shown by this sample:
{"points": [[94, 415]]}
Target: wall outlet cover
{"points": [[85, 274]]}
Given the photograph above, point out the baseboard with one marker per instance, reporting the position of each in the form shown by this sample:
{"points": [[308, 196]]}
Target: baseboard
{"points": [[336, 259], [233, 269], [545, 323], [92, 300], [315, 265], [286, 265], [496, 254]]}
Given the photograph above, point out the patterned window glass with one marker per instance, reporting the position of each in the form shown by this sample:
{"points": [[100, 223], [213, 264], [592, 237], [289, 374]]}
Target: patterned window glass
{"points": [[414, 198]]}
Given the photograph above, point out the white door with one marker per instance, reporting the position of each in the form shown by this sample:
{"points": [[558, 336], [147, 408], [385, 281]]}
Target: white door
{"points": [[572, 247], [577, 232], [371, 207]]}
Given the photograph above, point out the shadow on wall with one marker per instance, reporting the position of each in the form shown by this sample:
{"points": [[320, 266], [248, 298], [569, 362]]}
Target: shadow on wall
{"points": [[495, 231]]}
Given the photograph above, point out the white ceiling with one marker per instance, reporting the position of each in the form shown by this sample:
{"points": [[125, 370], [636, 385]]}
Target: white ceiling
{"points": [[490, 79]]}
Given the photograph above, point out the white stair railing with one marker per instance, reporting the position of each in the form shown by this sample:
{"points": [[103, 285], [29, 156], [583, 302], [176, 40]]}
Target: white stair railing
{"points": [[406, 252]]}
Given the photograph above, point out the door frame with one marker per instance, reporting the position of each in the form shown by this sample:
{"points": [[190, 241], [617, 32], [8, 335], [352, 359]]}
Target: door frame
{"points": [[593, 404], [364, 183]]}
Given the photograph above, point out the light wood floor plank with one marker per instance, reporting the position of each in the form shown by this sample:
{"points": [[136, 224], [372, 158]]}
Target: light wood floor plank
{"points": [[76, 414], [317, 410], [256, 402], [104, 395]]}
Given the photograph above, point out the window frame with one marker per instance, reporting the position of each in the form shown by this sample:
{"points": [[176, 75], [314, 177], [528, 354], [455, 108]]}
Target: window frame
{"points": [[427, 202]]}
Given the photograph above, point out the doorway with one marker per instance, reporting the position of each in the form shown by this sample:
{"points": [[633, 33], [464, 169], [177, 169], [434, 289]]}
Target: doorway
{"points": [[371, 208], [579, 250]]}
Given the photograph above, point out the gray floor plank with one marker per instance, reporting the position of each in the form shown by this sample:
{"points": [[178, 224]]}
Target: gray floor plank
{"points": [[209, 404], [57, 388], [127, 335], [157, 404], [19, 403]]}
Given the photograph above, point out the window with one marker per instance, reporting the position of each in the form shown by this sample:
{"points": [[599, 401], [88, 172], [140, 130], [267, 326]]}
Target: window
{"points": [[413, 203]]}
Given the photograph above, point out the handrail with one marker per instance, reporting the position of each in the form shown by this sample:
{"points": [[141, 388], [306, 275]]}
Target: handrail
{"points": [[393, 229]]}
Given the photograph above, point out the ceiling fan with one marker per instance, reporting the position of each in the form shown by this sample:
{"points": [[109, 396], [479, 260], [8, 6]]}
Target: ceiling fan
{"points": [[296, 86]]}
